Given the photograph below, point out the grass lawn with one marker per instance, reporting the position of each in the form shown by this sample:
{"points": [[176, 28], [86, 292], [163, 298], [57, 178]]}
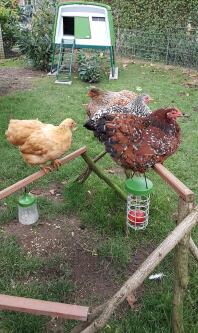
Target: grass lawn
{"points": [[95, 209]]}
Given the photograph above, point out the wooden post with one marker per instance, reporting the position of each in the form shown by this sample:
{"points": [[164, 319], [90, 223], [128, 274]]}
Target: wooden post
{"points": [[85, 174], [181, 270], [101, 175], [2, 54]]}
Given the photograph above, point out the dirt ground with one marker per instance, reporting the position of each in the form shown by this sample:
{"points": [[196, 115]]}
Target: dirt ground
{"points": [[69, 238], [13, 79]]}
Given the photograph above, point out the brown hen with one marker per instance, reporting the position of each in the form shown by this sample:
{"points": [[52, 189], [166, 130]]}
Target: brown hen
{"points": [[139, 143]]}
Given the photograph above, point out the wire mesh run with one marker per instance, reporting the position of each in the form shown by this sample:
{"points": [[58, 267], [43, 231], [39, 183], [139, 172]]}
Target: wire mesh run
{"points": [[137, 211]]}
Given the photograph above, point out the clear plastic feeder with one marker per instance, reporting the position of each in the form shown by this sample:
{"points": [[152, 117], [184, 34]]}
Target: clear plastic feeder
{"points": [[138, 201], [27, 209]]}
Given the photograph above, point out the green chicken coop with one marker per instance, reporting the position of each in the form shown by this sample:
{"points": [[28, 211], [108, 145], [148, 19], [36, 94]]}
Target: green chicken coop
{"points": [[81, 25]]}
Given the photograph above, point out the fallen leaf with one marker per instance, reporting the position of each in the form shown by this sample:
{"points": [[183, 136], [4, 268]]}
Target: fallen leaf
{"points": [[131, 299], [52, 192]]}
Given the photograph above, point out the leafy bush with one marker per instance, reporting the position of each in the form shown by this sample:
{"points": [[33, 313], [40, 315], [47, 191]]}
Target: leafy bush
{"points": [[35, 39], [9, 18], [89, 67]]}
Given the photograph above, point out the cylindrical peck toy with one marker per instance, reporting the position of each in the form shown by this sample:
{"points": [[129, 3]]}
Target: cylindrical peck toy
{"points": [[138, 200], [27, 209]]}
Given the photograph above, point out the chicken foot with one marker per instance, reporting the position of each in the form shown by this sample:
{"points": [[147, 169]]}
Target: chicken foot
{"points": [[46, 168], [52, 167], [56, 164]]}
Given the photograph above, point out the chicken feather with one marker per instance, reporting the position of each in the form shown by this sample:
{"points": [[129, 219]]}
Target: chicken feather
{"points": [[19, 130]]}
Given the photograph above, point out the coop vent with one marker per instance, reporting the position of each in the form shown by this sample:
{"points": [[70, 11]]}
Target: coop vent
{"points": [[102, 19]]}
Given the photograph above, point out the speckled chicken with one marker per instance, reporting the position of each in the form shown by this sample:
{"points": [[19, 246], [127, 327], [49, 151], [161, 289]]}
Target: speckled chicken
{"points": [[139, 143], [138, 107], [101, 99]]}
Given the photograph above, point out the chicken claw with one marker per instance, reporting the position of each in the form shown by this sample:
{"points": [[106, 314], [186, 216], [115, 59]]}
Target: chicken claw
{"points": [[56, 164], [47, 168]]}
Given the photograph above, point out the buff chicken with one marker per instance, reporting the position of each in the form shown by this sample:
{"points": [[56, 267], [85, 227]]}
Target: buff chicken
{"points": [[139, 143], [48, 144], [101, 99], [19, 130]]}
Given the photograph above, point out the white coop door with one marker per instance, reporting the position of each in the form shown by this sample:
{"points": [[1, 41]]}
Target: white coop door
{"points": [[99, 29]]}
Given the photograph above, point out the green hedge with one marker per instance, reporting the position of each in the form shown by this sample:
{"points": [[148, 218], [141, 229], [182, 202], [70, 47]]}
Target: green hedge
{"points": [[136, 14]]}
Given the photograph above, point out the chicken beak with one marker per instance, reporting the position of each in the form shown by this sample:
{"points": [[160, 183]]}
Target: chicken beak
{"points": [[180, 114], [151, 99]]}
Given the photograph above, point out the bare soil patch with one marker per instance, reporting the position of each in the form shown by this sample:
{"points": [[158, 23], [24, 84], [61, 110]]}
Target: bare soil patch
{"points": [[53, 192], [13, 79], [95, 278]]}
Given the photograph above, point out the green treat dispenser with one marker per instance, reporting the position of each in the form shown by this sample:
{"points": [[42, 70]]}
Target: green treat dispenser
{"points": [[138, 201]]}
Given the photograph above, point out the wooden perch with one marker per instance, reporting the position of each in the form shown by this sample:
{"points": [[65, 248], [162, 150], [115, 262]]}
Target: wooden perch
{"points": [[183, 191], [144, 270], [101, 175], [30, 179], [38, 307]]}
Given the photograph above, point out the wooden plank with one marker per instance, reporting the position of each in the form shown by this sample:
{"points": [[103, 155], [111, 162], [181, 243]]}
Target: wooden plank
{"points": [[30, 179], [38, 307], [183, 191]]}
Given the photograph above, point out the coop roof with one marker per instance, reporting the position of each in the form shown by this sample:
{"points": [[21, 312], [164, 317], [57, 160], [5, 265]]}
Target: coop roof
{"points": [[84, 3]]}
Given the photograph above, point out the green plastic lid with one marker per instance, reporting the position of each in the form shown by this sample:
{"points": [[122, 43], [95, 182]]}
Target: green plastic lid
{"points": [[138, 185], [26, 200]]}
